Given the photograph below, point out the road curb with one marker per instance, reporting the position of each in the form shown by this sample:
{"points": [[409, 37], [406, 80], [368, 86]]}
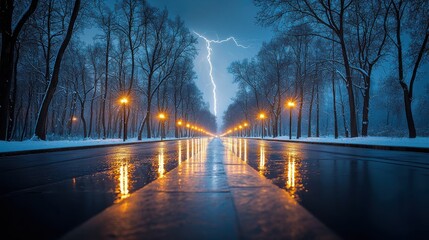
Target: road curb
{"points": [[357, 145], [33, 151]]}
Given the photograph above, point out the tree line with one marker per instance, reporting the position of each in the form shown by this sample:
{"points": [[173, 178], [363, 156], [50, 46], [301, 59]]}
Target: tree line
{"points": [[343, 63], [57, 83]]}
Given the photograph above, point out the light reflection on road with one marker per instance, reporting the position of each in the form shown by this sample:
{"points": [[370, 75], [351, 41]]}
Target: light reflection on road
{"points": [[161, 169], [291, 176], [359, 193], [261, 158]]}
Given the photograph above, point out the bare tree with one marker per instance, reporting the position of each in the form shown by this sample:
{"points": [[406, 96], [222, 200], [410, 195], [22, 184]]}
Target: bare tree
{"points": [[370, 37], [408, 15], [274, 61], [331, 15], [9, 37], [164, 43], [40, 131], [105, 19]]}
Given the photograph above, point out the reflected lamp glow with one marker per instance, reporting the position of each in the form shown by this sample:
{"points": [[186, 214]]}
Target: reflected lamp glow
{"points": [[161, 169], [179, 152], [261, 158], [123, 181], [291, 171]]}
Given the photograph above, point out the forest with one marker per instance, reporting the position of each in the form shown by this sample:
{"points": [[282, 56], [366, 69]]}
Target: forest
{"points": [[56, 83], [348, 67]]}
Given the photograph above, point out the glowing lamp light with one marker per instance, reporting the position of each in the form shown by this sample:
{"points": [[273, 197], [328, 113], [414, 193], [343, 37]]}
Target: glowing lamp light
{"points": [[179, 123], [261, 116], [162, 116], [124, 100], [290, 104]]}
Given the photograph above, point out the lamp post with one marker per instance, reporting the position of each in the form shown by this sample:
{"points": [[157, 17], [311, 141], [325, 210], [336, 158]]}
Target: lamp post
{"points": [[241, 130], [162, 118], [180, 123], [245, 129], [290, 104], [188, 132], [124, 102], [262, 117]]}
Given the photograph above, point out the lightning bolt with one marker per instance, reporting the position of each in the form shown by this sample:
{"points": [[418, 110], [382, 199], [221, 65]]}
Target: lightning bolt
{"points": [[209, 52]]}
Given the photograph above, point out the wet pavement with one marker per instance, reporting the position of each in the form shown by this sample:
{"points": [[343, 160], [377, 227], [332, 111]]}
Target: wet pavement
{"points": [[45, 195], [358, 193], [216, 189], [212, 195]]}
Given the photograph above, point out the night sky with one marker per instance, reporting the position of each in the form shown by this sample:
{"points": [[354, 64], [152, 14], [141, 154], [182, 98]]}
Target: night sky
{"points": [[219, 19]]}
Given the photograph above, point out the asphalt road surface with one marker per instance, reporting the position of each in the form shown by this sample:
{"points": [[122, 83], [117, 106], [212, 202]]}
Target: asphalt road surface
{"points": [[358, 193]]}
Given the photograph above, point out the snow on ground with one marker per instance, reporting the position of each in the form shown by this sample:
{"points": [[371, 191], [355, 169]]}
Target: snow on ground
{"points": [[420, 142], [32, 145]]}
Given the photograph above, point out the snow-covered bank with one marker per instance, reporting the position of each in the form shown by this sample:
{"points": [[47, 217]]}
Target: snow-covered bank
{"points": [[419, 142], [14, 146]]}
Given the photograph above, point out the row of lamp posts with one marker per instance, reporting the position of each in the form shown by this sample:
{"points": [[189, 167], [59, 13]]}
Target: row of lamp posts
{"points": [[290, 105], [162, 119]]}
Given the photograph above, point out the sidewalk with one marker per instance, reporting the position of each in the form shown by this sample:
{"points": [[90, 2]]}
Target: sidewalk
{"points": [[419, 144], [14, 148], [211, 195]]}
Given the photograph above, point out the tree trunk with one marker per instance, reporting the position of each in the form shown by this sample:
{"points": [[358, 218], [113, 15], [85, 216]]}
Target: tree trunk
{"points": [[12, 101], [317, 111], [301, 103], [365, 110], [9, 37], [349, 85], [346, 131], [334, 99], [82, 116], [310, 109], [106, 80], [27, 111]]}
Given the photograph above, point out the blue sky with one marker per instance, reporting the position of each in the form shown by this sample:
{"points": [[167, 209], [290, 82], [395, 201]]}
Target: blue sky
{"points": [[219, 19]]}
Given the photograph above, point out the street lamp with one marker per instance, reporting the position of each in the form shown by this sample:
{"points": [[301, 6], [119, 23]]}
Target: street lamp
{"points": [[162, 117], [189, 130], [180, 123], [241, 130], [124, 102], [262, 117], [290, 104], [245, 129]]}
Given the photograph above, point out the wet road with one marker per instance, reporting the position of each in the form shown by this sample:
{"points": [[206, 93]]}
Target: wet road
{"points": [[43, 196], [359, 193]]}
